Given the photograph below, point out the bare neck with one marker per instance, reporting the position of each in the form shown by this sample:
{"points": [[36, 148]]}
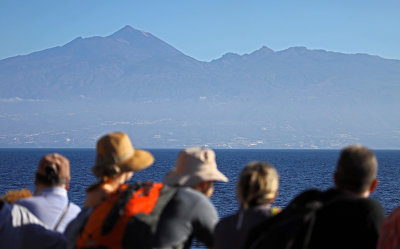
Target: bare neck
{"points": [[364, 194]]}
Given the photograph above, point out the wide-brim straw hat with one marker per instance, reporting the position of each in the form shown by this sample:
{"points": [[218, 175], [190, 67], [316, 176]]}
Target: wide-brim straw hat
{"points": [[193, 166], [115, 153]]}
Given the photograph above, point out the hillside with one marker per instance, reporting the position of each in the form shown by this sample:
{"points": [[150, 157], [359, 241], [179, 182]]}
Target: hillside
{"points": [[70, 95]]}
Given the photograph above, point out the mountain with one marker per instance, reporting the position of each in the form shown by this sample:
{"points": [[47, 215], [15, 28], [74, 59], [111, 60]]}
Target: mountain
{"points": [[88, 67], [68, 96]]}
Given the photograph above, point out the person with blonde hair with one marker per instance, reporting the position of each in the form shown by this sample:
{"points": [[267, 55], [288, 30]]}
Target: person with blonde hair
{"points": [[256, 189]]}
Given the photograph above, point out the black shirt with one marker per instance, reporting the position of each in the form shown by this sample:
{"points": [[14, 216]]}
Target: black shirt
{"points": [[345, 221]]}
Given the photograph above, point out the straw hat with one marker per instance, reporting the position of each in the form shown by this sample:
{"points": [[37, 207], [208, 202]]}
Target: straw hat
{"points": [[115, 154], [193, 166]]}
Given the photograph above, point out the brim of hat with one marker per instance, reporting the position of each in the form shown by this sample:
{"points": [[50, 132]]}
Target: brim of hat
{"points": [[141, 159], [185, 180]]}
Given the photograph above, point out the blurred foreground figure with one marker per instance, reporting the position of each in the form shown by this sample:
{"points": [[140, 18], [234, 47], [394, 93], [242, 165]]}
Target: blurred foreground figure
{"points": [[116, 162], [256, 189], [190, 214], [20, 229], [351, 219], [341, 217], [150, 214], [390, 232], [50, 201]]}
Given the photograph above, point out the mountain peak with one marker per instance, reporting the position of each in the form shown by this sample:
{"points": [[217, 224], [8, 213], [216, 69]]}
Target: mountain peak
{"points": [[129, 33], [127, 27], [263, 51], [266, 49], [294, 51]]}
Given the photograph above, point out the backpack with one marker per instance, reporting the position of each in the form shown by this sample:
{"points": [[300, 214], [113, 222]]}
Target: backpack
{"points": [[290, 229], [128, 217]]}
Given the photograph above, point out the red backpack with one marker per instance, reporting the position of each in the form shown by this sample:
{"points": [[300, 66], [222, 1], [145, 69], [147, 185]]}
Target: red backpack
{"points": [[128, 218]]}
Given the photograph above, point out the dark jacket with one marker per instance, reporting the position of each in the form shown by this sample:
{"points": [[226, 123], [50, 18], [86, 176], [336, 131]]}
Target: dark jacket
{"points": [[345, 221]]}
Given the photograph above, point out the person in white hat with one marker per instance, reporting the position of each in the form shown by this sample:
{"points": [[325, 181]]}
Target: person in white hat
{"points": [[190, 213]]}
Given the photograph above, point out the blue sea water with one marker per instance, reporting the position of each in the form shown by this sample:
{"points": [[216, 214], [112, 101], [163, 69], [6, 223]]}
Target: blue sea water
{"points": [[298, 169]]}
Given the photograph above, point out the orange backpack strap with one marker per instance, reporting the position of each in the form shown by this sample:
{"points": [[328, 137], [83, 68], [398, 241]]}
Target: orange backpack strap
{"points": [[127, 217]]}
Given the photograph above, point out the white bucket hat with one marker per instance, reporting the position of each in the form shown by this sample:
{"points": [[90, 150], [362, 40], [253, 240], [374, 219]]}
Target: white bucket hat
{"points": [[193, 166]]}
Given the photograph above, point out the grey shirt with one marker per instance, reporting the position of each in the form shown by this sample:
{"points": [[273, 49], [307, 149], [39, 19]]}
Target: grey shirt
{"points": [[189, 214]]}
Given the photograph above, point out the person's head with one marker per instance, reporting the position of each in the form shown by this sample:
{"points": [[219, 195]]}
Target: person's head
{"points": [[53, 170], [196, 168], [257, 184], [356, 170], [115, 156]]}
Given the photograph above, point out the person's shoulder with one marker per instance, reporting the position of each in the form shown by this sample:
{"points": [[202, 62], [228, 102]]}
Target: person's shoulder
{"points": [[393, 220], [308, 196], [33, 202], [225, 224], [22, 216], [338, 197], [354, 208], [197, 202], [75, 208], [395, 213], [373, 206], [191, 194], [27, 201], [228, 219]]}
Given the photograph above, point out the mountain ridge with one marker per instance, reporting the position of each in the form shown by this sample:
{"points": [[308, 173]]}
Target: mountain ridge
{"points": [[133, 81]]}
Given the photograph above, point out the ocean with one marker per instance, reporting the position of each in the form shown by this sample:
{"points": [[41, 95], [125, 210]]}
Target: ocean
{"points": [[299, 170]]}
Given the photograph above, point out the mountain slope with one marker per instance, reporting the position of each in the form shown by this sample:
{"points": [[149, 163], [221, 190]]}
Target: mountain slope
{"points": [[89, 66], [133, 81]]}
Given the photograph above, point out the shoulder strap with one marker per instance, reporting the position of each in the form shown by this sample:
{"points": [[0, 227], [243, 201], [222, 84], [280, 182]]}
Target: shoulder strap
{"points": [[119, 207], [167, 193], [61, 216]]}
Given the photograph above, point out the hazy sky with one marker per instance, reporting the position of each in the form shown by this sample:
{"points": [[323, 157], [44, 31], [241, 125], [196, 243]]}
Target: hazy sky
{"points": [[207, 29]]}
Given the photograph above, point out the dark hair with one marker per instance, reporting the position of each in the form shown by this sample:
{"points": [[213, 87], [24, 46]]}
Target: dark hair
{"points": [[50, 177], [356, 169]]}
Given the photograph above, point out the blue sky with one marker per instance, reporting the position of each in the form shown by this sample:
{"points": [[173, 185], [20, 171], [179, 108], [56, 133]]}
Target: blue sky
{"points": [[207, 29]]}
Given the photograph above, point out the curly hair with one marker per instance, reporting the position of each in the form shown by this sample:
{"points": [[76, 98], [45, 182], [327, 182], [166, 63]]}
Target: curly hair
{"points": [[13, 195]]}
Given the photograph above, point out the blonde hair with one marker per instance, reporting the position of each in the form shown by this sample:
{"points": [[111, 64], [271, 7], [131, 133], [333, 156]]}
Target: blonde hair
{"points": [[258, 184]]}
